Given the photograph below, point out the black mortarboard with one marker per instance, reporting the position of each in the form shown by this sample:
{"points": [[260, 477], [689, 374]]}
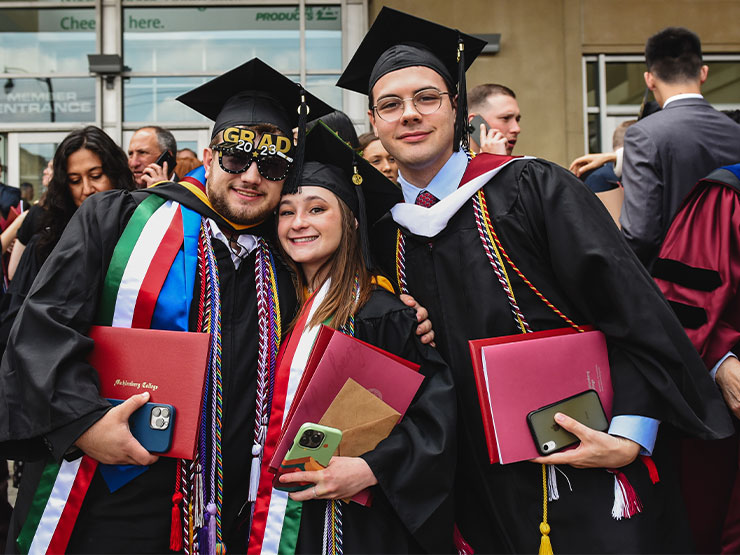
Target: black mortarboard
{"points": [[332, 164], [397, 40], [255, 93]]}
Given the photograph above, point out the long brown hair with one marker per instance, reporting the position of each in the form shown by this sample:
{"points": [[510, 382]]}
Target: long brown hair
{"points": [[344, 264]]}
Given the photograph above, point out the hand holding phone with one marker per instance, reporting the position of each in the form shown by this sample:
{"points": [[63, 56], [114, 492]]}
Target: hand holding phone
{"points": [[550, 437], [109, 440], [313, 447], [152, 425], [475, 132], [166, 156], [489, 140]]}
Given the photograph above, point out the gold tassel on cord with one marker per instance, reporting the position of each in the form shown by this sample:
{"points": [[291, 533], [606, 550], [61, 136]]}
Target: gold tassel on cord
{"points": [[545, 545]]}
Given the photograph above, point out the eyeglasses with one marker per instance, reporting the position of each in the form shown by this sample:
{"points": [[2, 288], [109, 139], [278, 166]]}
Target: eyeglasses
{"points": [[274, 167], [426, 102]]}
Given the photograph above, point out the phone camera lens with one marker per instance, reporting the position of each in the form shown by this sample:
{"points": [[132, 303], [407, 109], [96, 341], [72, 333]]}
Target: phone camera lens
{"points": [[165, 412], [311, 439], [160, 423], [156, 411], [545, 447]]}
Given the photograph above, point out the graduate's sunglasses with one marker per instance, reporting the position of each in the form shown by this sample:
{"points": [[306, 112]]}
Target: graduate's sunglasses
{"points": [[274, 167], [426, 102]]}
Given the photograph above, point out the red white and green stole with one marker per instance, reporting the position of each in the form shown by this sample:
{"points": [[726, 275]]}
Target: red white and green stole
{"points": [[55, 506], [152, 264], [276, 518]]}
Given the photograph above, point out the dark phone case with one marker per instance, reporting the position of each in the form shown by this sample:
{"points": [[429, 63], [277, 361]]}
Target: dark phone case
{"points": [[153, 440], [584, 407], [166, 156], [475, 124]]}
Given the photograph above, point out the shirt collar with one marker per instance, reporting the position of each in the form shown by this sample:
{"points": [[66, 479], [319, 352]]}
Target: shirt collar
{"points": [[442, 184], [245, 243], [681, 96]]}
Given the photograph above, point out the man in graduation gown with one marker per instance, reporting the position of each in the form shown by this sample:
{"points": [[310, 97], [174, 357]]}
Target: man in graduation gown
{"points": [[563, 241], [50, 404], [698, 270]]}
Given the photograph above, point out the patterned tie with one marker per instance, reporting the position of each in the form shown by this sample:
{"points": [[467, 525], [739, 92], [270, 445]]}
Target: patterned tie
{"points": [[426, 199]]}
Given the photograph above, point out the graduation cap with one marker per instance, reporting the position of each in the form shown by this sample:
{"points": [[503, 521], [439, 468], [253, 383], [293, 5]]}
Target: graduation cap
{"points": [[332, 164], [398, 40], [252, 94]]}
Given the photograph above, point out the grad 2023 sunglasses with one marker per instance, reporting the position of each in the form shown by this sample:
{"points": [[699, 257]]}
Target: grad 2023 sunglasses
{"points": [[273, 165]]}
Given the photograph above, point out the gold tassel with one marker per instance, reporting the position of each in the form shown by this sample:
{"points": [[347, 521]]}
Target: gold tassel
{"points": [[545, 544]]}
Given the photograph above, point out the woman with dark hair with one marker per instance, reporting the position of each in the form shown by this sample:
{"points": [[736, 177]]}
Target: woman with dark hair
{"points": [[86, 162], [322, 229]]}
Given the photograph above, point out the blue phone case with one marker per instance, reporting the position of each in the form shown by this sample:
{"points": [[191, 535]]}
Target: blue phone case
{"points": [[152, 425]]}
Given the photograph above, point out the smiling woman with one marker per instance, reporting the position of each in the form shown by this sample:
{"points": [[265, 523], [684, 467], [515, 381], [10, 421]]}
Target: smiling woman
{"points": [[310, 226], [322, 229]]}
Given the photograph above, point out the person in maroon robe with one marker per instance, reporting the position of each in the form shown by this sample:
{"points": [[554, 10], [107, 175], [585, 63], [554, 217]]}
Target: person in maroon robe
{"points": [[698, 270]]}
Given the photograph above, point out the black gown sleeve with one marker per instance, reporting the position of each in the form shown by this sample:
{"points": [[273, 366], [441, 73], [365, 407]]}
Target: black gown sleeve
{"points": [[48, 391], [656, 372], [27, 270], [415, 464], [31, 225]]}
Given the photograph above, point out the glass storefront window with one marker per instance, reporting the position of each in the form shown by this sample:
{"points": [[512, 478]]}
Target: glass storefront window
{"points": [[324, 86], [625, 83], [592, 87], [41, 100], [33, 159], [625, 90], [46, 40], [723, 83], [163, 40], [216, 39], [152, 99]]}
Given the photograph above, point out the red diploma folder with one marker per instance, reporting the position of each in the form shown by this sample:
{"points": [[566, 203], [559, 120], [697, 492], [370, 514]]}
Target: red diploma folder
{"points": [[170, 365], [517, 374], [335, 357]]}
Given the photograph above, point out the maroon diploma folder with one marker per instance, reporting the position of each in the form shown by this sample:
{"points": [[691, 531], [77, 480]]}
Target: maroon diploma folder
{"points": [[517, 374], [170, 365], [334, 359]]}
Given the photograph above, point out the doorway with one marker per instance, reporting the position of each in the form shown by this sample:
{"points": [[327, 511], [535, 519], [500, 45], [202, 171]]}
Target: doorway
{"points": [[28, 155]]}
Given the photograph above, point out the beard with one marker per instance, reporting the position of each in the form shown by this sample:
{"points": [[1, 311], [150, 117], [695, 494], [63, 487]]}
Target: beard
{"points": [[242, 215]]}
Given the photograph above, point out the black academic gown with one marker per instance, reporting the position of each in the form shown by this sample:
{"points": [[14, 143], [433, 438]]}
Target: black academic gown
{"points": [[412, 510], [563, 240], [49, 394]]}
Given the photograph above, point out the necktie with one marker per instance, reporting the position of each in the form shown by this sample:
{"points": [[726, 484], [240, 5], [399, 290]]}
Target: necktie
{"points": [[426, 199]]}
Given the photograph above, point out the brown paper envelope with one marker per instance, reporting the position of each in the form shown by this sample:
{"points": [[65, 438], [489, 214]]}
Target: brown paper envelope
{"points": [[364, 419], [360, 439]]}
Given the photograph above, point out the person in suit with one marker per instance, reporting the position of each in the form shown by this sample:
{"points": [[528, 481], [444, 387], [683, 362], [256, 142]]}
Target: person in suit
{"points": [[667, 153]]}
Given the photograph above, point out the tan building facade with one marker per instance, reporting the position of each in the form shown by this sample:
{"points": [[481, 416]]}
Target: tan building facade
{"points": [[551, 52]]}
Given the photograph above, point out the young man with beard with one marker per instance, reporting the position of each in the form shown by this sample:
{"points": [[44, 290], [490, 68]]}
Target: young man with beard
{"points": [[51, 407], [558, 235]]}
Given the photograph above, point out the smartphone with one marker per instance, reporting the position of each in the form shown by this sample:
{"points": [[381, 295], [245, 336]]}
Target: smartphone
{"points": [[166, 156], [475, 124], [313, 447], [152, 425], [550, 437]]}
